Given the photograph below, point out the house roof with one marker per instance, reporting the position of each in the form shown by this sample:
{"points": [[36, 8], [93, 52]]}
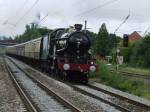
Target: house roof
{"points": [[135, 36]]}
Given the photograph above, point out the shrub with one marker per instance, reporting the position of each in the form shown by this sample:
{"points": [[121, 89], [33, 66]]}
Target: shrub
{"points": [[124, 51], [116, 81], [141, 53]]}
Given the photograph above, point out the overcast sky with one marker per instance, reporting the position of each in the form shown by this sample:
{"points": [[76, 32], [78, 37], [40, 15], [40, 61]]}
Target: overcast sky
{"points": [[62, 13]]}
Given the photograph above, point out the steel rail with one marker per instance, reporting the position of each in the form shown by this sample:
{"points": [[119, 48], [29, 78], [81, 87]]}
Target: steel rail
{"points": [[118, 96], [121, 108], [101, 99], [25, 98], [49, 91]]}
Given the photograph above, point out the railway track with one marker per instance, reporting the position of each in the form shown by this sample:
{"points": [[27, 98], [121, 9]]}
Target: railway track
{"points": [[135, 75], [131, 74], [131, 105], [23, 95], [134, 104], [121, 103], [29, 103], [121, 97], [82, 90]]}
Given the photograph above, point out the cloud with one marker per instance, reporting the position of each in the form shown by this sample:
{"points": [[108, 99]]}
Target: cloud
{"points": [[68, 12]]}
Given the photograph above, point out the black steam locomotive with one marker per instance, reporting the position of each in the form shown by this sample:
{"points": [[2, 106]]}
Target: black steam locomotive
{"points": [[64, 52]]}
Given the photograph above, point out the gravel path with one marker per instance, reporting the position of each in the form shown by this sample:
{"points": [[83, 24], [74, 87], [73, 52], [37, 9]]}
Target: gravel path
{"points": [[9, 99], [85, 103]]}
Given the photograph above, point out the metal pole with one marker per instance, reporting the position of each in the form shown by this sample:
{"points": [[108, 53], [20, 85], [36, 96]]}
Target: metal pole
{"points": [[116, 39], [85, 26]]}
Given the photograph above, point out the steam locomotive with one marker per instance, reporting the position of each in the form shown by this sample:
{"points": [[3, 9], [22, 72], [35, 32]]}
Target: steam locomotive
{"points": [[63, 52]]}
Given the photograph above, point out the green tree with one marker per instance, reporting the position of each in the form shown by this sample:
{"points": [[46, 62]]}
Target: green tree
{"points": [[92, 36], [5, 38], [114, 39], [141, 53], [44, 31], [32, 32], [102, 42]]}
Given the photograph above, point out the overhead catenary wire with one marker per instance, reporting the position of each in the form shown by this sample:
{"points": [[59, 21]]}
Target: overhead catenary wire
{"points": [[27, 11], [87, 11], [18, 10], [146, 31], [9, 18], [122, 23], [53, 13], [116, 47], [14, 25], [99, 6], [43, 18], [90, 10]]}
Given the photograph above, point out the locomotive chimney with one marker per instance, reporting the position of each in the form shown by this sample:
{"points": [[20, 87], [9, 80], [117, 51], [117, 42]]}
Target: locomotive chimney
{"points": [[78, 27]]}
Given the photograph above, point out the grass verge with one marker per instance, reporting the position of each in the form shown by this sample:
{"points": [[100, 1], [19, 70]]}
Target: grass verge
{"points": [[115, 80]]}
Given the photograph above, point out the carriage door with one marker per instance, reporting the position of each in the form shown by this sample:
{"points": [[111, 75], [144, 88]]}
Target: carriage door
{"points": [[45, 48]]}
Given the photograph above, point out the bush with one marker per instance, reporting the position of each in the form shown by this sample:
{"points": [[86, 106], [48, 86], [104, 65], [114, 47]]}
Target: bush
{"points": [[116, 81], [107, 77], [126, 52], [141, 53]]}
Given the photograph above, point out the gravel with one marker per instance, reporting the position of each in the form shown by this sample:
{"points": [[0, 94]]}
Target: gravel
{"points": [[111, 99], [121, 93], [85, 103], [41, 99], [9, 99]]}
